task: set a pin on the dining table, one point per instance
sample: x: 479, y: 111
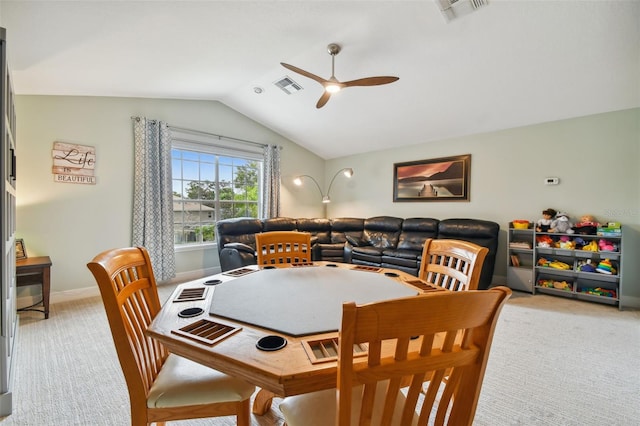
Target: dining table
x: 275, y: 326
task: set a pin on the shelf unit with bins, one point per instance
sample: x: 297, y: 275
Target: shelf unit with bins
x: 574, y: 281
x: 520, y: 259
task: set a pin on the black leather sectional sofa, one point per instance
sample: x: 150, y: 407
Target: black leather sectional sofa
x: 382, y: 241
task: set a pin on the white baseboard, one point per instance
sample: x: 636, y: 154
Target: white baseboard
x: 499, y: 280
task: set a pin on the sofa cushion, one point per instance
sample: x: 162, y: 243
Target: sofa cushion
x: 367, y: 253
x: 402, y: 254
x: 415, y: 231
x: 355, y: 241
x: 318, y: 228
x: 279, y: 224
x: 332, y: 251
x: 397, y: 257
x: 239, y: 230
x: 341, y: 227
x: 382, y: 231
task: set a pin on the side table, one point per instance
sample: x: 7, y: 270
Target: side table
x: 33, y: 271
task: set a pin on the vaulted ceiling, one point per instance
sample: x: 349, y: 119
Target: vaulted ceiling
x: 507, y: 64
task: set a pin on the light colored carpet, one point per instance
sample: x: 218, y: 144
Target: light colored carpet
x: 554, y: 362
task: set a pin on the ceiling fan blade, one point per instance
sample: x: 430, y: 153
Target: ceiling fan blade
x: 370, y: 81
x: 323, y: 99
x: 304, y: 73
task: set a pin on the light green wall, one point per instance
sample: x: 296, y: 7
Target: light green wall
x: 595, y: 158
x: 72, y: 223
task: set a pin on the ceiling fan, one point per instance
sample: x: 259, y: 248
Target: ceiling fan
x: 332, y: 85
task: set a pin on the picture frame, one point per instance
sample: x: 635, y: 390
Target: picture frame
x: 436, y: 179
x: 21, y: 249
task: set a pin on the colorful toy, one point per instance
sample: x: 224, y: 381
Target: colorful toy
x: 551, y: 263
x: 564, y: 242
x: 559, y: 285
x: 588, y: 225
x: 520, y: 224
x: 562, y: 224
x: 543, y: 225
x: 544, y: 241
x: 606, y: 245
x: 605, y: 267
x: 592, y: 246
x: 585, y: 266
x: 562, y: 285
x: 598, y: 291
x: 545, y: 283
x: 579, y: 243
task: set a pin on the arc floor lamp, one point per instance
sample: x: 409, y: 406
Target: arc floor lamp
x: 347, y: 171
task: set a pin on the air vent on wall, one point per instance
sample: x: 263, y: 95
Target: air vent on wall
x: 452, y: 9
x: 287, y: 85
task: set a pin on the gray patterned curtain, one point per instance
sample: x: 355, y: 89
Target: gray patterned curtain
x: 152, y: 195
x: 271, y: 179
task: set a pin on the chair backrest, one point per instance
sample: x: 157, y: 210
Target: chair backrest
x: 454, y: 338
x: 283, y: 247
x: 453, y: 264
x: 130, y: 296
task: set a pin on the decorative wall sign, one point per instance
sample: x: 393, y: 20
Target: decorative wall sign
x: 438, y: 179
x: 73, y: 163
x: 21, y: 250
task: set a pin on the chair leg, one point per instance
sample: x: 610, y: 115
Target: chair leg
x: 243, y: 418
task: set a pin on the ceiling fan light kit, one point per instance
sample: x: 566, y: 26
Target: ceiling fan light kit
x: 332, y: 84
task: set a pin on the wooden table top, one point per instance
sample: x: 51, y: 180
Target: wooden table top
x: 284, y: 372
x: 38, y: 262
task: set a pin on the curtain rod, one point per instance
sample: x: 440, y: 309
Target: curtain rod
x: 200, y: 132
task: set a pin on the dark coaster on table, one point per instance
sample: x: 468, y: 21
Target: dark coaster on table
x: 391, y: 274
x: 268, y: 267
x: 271, y: 343
x: 213, y: 282
x: 190, y: 312
x: 331, y: 265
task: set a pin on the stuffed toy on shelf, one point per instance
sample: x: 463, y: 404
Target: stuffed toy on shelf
x: 606, y: 245
x: 561, y: 224
x: 543, y: 225
x: 588, y: 225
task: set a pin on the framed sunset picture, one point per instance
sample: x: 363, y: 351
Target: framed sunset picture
x: 437, y: 179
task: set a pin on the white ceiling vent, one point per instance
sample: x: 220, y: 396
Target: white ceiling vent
x: 452, y: 9
x: 288, y: 86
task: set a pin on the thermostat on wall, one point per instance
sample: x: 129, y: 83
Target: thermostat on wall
x: 551, y: 181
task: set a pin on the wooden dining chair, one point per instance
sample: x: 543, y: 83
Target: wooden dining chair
x: 162, y: 386
x: 405, y: 347
x: 453, y: 264
x: 277, y: 247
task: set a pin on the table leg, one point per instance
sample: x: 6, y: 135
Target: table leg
x: 46, y: 290
x: 262, y: 402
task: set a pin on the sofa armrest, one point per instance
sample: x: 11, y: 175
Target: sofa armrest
x: 240, y: 247
x: 355, y: 241
x: 236, y: 255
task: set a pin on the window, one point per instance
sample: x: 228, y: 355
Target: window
x: 211, y: 181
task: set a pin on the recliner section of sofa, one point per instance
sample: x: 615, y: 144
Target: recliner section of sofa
x: 382, y: 241
x: 407, y: 254
x: 337, y: 249
x: 481, y: 232
x: 236, y: 240
x: 379, y: 233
